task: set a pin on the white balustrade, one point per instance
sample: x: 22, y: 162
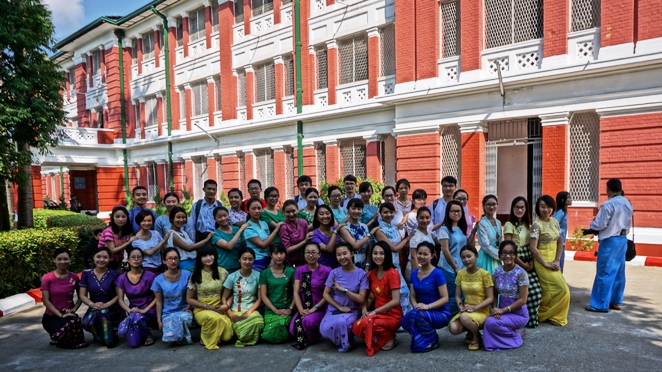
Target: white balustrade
x: 289, y: 108
x: 80, y: 136
x: 584, y: 45
x: 197, y: 48
x: 449, y: 69
x: 286, y: 15
x: 149, y: 65
x: 179, y: 54
x: 152, y: 132
x: 238, y: 31
x: 321, y: 98
x: 199, y: 122
x: 262, y: 24
x: 264, y: 110
x: 386, y: 85
x: 241, y: 113
x: 352, y: 94
x: 514, y: 57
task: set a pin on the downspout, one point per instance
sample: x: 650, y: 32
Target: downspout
x: 167, y: 88
x: 297, y: 55
x: 120, y: 36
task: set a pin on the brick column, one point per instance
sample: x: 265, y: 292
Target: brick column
x: 37, y: 191
x: 249, y: 166
x: 332, y: 161
x: 157, y: 46
x: 187, y: 182
x: 208, y: 26
x: 405, y: 42
x: 427, y: 43
x: 648, y: 20
x: 172, y: 56
x: 178, y: 175
x: 161, y: 177
x: 279, y: 75
x: 139, y: 46
x: 474, y: 136
x: 230, y: 172
x: 617, y: 22
x: 211, y: 169
x: 555, y: 22
x: 373, y: 158
x: 277, y: 5
x: 142, y: 117
x: 110, y: 187
x: 211, y: 102
x: 250, y: 91
x: 185, y: 33
x: 279, y: 171
x: 418, y: 161
x: 307, y: 61
x: 228, y: 80
x: 555, y: 153
x: 80, y: 72
x: 159, y: 113
x: 332, y: 70
x: 373, y: 61
x: 131, y: 128
x: 189, y: 105
x: 330, y: 2
x: 102, y: 63
x: 67, y: 86
x: 471, y: 38
x: 247, y: 17
x: 310, y: 162
x: 90, y: 76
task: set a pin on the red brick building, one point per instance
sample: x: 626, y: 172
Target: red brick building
x: 514, y: 97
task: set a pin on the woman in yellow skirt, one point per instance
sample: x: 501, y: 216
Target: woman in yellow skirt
x: 204, y: 293
x: 478, y: 288
x: 545, y: 245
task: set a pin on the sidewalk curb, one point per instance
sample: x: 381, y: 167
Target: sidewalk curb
x: 14, y: 304
x: 637, y: 261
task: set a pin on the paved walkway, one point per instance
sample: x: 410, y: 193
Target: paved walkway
x: 630, y: 339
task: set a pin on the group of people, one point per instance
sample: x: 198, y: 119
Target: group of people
x: 303, y: 270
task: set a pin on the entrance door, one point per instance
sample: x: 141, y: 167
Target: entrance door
x: 84, y: 186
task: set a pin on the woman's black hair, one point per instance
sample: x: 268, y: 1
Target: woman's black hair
x: 469, y: 248
x: 174, y: 212
x: 250, y: 202
x: 462, y: 223
x: 488, y: 197
x: 355, y: 203
x: 387, y: 205
x: 314, y: 244
x: 205, y: 250
x: 277, y: 248
x: 103, y: 249
x: 132, y: 248
x: 402, y: 181
x: 419, y: 194
x: 427, y: 245
x: 389, y: 188
x: 421, y: 210
x: 459, y: 191
x: 526, y: 218
x: 549, y: 202
x: 169, y: 195
x: 290, y: 202
x: 171, y: 249
x: 241, y: 195
x: 388, y: 256
x: 309, y: 191
x: 343, y: 245
x: 269, y: 190
x: 216, y: 210
x: 316, y: 221
x: 140, y: 217
x: 506, y: 243
x: 59, y: 251
x: 364, y: 186
x: 561, y: 199
x: 333, y: 188
x: 245, y: 250
x: 125, y: 230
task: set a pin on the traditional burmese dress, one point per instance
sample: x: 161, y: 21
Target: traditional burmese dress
x: 473, y: 287
x: 279, y: 292
x: 67, y: 332
x: 136, y: 327
x: 187, y: 259
x: 368, y: 213
x: 415, y: 240
x: 339, y: 214
x: 269, y: 217
x: 377, y: 330
x: 150, y: 262
x: 393, y: 235
x: 521, y: 239
x: 215, y: 327
x: 555, y: 301
x: 175, y: 319
x: 293, y: 234
x: 422, y: 325
x: 326, y: 258
x: 305, y: 215
x: 245, y: 294
x: 358, y: 232
x: 100, y: 322
x: 261, y: 231
x: 236, y: 216
x: 336, y: 325
x: 489, y: 238
x: 311, y: 292
x: 456, y: 240
x: 107, y: 235
x: 562, y: 217
x: 500, y: 334
x: 229, y: 260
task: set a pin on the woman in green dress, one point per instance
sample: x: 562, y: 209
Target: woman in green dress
x: 272, y: 214
x: 276, y: 283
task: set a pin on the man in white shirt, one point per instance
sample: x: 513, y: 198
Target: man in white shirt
x: 349, y: 182
x: 202, y: 222
x: 438, y: 207
x: 304, y: 183
x: 611, y: 225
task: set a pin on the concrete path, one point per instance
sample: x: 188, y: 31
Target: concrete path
x: 627, y: 340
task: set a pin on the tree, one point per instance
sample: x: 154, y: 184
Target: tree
x: 30, y: 100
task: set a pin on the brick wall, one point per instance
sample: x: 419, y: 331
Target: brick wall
x: 110, y: 188
x: 471, y: 37
x: 279, y: 172
x: 417, y: 160
x: 554, y: 159
x: 473, y: 169
x: 332, y: 163
x: 373, y: 65
x: 617, y: 22
x: 649, y: 14
x: 405, y: 42
x: 80, y: 73
x: 555, y: 22
x: 188, y: 184
x: 230, y: 169
x: 427, y: 40
x: 373, y: 160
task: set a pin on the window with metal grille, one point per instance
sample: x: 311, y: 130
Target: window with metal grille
x: 286, y: 2
x: 239, y: 11
x: 72, y: 80
x: 320, y: 152
x: 199, y: 95
x: 585, y: 14
x: 152, y: 181
x: 322, y: 69
x: 182, y: 104
x: 100, y: 118
x: 450, y: 29
x: 217, y: 83
x: 179, y: 32
x: 136, y: 110
x: 96, y: 62
x: 289, y: 172
x: 148, y: 45
x: 265, y: 87
x: 151, y: 115
x: 584, y: 156
x: 214, y: 15
x: 352, y: 152
x: 387, y: 46
x: 196, y: 24
x: 262, y: 6
x: 199, y: 175
x: 450, y: 151
x: 264, y: 165
x: 289, y: 76
x: 353, y: 59
x: 242, y: 174
x: 241, y: 88
x: 134, y: 51
x: 512, y: 21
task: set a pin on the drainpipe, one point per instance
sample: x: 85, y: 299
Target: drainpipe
x: 297, y: 55
x: 167, y: 79
x: 120, y: 37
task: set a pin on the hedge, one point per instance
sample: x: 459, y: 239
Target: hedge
x: 26, y: 255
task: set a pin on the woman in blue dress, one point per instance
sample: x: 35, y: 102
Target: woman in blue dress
x: 452, y: 236
x: 489, y: 235
x: 563, y: 201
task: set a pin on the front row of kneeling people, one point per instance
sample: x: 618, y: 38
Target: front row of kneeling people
x: 280, y: 302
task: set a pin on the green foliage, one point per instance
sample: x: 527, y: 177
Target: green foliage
x: 26, y: 255
x: 580, y: 242
x: 375, y: 199
x: 223, y: 197
x: 159, y: 208
x: 187, y: 203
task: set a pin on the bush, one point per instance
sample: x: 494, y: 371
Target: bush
x: 377, y: 188
x: 26, y: 255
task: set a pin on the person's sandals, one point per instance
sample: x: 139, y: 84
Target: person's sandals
x: 149, y: 341
x: 614, y: 306
x: 473, y: 346
x: 594, y: 310
x: 468, y: 338
x: 393, y: 345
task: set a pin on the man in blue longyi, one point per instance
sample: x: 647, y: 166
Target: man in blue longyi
x: 611, y: 225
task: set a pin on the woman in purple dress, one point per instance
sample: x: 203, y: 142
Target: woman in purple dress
x: 136, y: 285
x: 309, y: 287
x: 324, y: 234
x: 346, y: 289
x: 500, y: 331
x: 97, y: 291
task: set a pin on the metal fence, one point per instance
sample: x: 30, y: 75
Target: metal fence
x: 387, y: 44
x: 584, y: 156
x: 512, y: 21
x: 242, y: 173
x: 152, y: 181
x: 450, y: 29
x: 451, y: 151
x: 289, y: 172
x: 353, y: 59
x: 352, y: 153
x: 585, y: 14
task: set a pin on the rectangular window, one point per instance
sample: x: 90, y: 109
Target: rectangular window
x: 217, y: 83
x: 584, y: 156
x: 214, y: 15
x: 136, y: 109
x: 96, y: 62
x: 196, y: 24
x: 353, y: 59
x: 262, y: 6
x: 450, y: 29
x: 151, y: 115
x: 182, y: 104
x: 352, y: 153
x: 585, y: 15
x: 451, y: 151
x: 286, y: 2
x: 199, y: 95
x: 72, y: 80
x: 264, y: 164
x: 512, y: 21
x: 241, y: 88
x: 152, y: 181
x: 100, y: 119
x: 322, y: 69
x: 289, y: 76
x: 134, y: 51
x: 265, y: 87
x: 387, y: 46
x: 320, y: 151
x: 180, y: 32
x: 148, y: 45
x: 199, y: 175
x: 239, y: 11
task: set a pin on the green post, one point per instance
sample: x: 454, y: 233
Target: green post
x: 297, y: 55
x: 120, y: 36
